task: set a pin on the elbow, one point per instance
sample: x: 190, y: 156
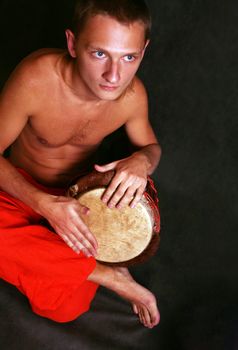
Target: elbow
x: 158, y: 151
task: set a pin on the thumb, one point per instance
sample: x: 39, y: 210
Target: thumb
x: 84, y: 210
x: 106, y: 167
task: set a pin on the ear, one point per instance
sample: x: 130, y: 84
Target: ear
x: 146, y: 44
x: 70, y: 37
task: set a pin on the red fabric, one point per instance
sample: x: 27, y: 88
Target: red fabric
x: 39, y: 263
x: 151, y: 195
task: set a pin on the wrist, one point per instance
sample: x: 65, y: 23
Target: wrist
x: 40, y: 202
x: 143, y: 159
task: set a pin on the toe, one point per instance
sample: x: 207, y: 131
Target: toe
x: 142, y: 318
x: 135, y: 308
x: 148, y: 318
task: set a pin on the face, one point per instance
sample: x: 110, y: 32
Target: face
x: 107, y: 55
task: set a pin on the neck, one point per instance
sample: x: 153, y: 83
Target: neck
x: 71, y: 77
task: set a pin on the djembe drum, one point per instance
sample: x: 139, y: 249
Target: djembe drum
x: 125, y: 236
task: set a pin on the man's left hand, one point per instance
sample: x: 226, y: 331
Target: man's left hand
x: 128, y: 183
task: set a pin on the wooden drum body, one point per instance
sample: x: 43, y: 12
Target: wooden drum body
x: 125, y: 236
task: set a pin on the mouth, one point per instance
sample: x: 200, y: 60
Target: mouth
x: 108, y: 88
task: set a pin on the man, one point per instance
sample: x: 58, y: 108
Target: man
x: 55, y: 110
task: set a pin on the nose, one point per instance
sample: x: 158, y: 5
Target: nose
x: 112, y: 72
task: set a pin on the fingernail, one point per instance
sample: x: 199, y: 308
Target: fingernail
x: 85, y: 211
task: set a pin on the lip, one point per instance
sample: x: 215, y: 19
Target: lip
x: 108, y: 88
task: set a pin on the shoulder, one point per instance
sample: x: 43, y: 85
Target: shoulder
x: 39, y: 66
x: 34, y: 76
x: 136, y: 90
x: 136, y: 94
x: 134, y: 101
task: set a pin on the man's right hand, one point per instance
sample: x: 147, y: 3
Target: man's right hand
x: 63, y: 214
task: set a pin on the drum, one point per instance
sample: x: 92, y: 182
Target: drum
x: 125, y: 236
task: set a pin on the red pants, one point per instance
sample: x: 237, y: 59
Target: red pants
x: 39, y: 263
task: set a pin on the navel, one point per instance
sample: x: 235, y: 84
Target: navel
x: 42, y: 141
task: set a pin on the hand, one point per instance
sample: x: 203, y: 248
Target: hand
x: 63, y: 214
x: 128, y: 183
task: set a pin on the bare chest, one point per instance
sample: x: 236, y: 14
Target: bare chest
x: 59, y: 127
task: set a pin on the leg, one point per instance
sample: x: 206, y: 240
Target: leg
x: 78, y: 303
x: 41, y: 265
x: 120, y: 281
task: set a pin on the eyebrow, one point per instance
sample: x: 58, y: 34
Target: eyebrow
x: 96, y: 48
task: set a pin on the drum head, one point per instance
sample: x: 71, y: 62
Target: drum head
x: 122, y: 234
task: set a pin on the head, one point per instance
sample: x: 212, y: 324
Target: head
x: 124, y: 11
x: 107, y: 41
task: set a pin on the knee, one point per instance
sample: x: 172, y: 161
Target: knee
x: 59, y: 315
x: 73, y: 307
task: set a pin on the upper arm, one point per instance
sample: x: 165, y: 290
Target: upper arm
x: 138, y: 127
x: 15, y: 106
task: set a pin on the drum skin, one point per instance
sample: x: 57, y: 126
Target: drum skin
x: 126, y: 236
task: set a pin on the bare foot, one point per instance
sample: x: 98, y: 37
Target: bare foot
x: 120, y: 281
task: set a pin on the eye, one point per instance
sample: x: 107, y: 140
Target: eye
x: 129, y: 58
x: 99, y: 54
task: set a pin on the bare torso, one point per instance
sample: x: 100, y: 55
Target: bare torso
x: 63, y: 132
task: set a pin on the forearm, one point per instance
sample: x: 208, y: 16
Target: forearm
x: 62, y: 213
x: 12, y: 182
x: 151, y: 155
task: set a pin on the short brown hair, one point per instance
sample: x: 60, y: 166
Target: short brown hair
x: 125, y: 11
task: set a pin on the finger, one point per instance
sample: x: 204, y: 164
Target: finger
x: 79, y: 229
x: 77, y: 211
x: 80, y: 245
x: 111, y: 189
x: 127, y: 198
x: 70, y: 244
x: 137, y: 197
x: 67, y: 241
x: 115, y: 192
x: 74, y: 236
x: 82, y: 233
x: 83, y: 209
x: 122, y: 196
x: 106, y: 167
x: 117, y: 197
x: 76, y: 249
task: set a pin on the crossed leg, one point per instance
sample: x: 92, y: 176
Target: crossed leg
x: 120, y: 281
x: 32, y: 258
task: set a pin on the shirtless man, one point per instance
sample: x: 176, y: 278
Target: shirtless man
x: 56, y: 109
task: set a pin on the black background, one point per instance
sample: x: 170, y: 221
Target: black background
x: 190, y: 72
